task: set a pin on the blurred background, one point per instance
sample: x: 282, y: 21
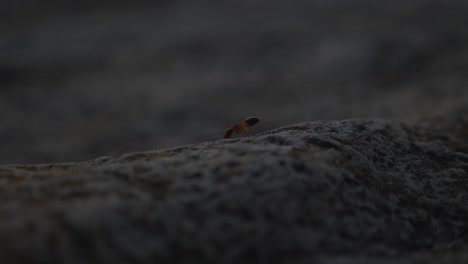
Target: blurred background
x: 83, y: 79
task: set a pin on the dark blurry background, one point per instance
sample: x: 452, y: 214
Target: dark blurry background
x: 83, y: 79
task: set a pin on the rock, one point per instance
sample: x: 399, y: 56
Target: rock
x: 352, y: 191
x: 163, y: 73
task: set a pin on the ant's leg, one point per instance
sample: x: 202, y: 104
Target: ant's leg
x: 246, y: 131
x: 251, y: 131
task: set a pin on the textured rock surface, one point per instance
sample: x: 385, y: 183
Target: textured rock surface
x: 353, y: 191
x: 81, y: 79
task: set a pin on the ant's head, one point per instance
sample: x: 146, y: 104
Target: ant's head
x: 251, y: 120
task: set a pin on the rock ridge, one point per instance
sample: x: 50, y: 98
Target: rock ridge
x: 351, y: 191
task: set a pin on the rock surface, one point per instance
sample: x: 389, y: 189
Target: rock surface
x: 82, y: 79
x: 352, y: 191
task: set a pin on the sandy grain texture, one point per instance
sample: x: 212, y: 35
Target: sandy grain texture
x: 351, y: 191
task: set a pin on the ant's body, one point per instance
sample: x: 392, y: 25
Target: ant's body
x: 244, y: 125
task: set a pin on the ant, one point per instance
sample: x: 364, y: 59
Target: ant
x: 244, y: 125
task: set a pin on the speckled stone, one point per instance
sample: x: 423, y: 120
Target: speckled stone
x: 352, y: 191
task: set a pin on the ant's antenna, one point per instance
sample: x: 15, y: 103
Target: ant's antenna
x: 268, y: 122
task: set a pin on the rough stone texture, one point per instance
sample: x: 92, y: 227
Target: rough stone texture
x: 352, y: 191
x: 81, y: 79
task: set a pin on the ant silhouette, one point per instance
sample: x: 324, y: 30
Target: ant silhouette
x: 245, y: 125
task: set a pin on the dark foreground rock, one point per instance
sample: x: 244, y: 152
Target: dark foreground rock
x: 353, y: 191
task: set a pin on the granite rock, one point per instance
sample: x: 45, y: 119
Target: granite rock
x: 82, y: 79
x: 351, y: 191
